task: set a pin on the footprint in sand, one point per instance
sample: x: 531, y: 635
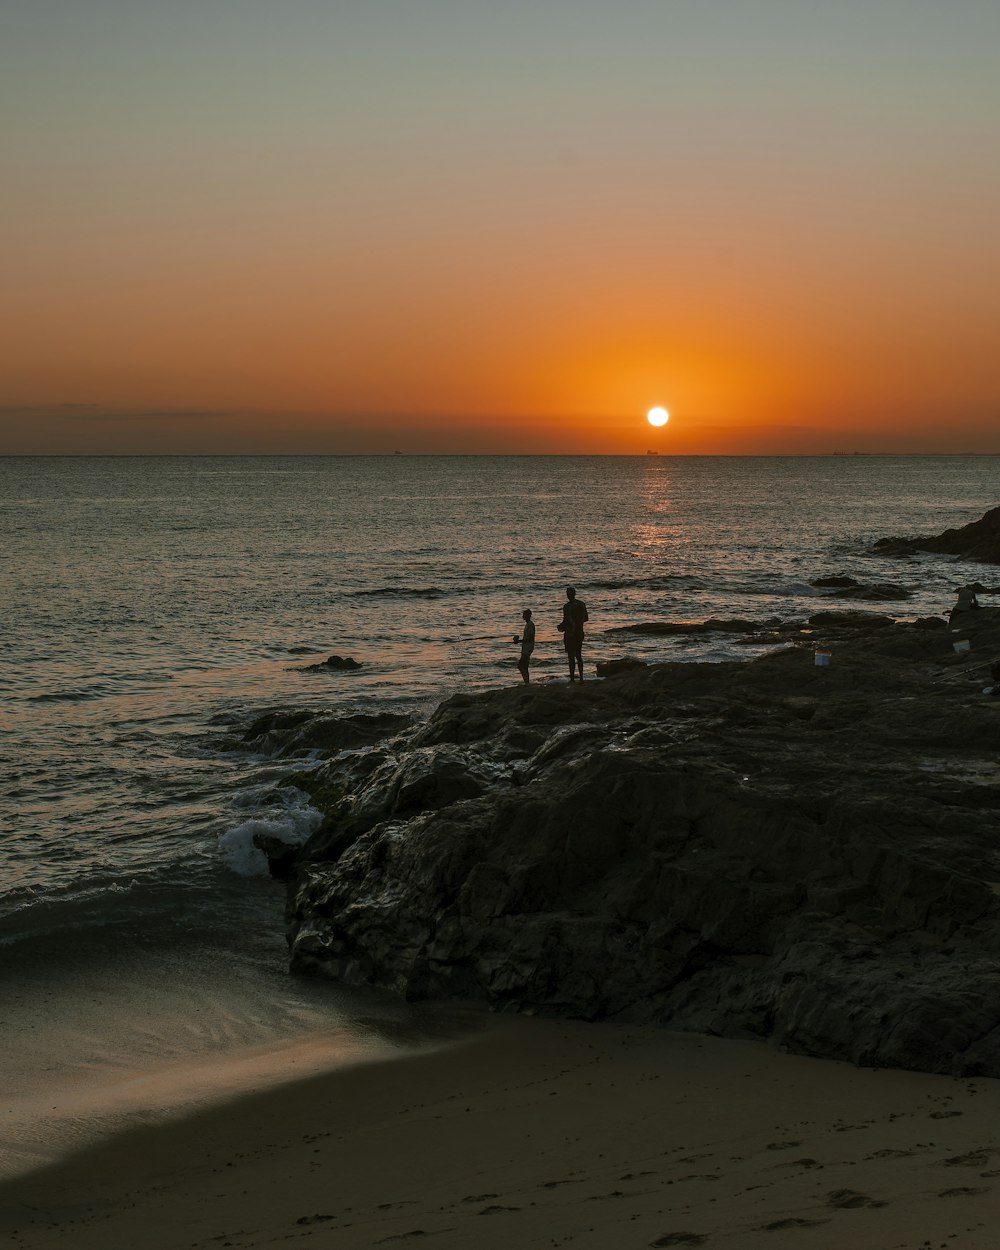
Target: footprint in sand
x: 850, y: 1200
x: 679, y: 1239
x: 974, y: 1159
x: 964, y: 1191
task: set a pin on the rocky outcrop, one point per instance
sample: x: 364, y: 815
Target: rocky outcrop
x: 612, y: 668
x: 282, y: 732
x: 843, y: 587
x: 774, y: 629
x: 713, y: 625
x: 333, y: 664
x: 770, y: 850
x: 853, y: 621
x: 980, y: 540
x: 885, y: 592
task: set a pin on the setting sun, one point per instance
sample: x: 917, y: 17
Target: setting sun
x: 657, y: 416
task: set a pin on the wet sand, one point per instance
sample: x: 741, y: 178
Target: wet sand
x: 540, y: 1134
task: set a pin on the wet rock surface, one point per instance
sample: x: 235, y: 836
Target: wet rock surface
x: 980, y: 540
x: 626, y: 664
x: 885, y: 591
x: 772, y: 849
x: 734, y: 625
x: 333, y: 664
x: 284, y: 732
x: 842, y: 587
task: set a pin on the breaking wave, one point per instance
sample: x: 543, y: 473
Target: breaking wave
x: 291, y: 824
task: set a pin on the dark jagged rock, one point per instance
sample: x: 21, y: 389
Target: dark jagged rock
x: 281, y: 856
x: 280, y: 732
x: 979, y: 540
x: 886, y: 592
x: 334, y: 664
x: 767, y: 850
x: 856, y: 621
x: 712, y: 625
x: 613, y: 668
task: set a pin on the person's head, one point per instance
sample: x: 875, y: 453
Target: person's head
x: 526, y: 614
x: 570, y: 592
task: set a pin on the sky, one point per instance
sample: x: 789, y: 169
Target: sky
x: 314, y: 226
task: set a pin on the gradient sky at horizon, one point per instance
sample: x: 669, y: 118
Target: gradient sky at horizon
x: 453, y: 225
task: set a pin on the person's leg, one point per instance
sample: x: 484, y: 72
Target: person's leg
x: 579, y: 659
x: 522, y: 667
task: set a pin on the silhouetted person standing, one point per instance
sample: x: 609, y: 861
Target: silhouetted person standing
x: 571, y: 626
x: 527, y: 641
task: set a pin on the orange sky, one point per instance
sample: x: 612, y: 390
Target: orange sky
x: 466, y: 230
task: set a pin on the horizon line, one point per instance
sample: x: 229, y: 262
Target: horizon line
x: 497, y: 455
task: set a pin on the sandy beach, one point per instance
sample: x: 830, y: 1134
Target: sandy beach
x: 543, y: 1134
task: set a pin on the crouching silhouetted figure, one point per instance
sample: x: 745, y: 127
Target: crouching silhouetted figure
x: 967, y: 602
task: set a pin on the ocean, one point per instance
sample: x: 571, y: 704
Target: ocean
x: 150, y: 608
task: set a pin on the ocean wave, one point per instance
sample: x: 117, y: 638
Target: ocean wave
x: 64, y: 696
x: 664, y: 581
x: 393, y: 592
x: 98, y: 905
x: 782, y: 590
x: 292, y: 824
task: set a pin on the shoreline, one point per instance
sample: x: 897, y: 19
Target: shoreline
x: 541, y: 1133
x: 46, y: 1128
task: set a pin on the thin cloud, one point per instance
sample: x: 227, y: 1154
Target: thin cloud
x: 89, y: 413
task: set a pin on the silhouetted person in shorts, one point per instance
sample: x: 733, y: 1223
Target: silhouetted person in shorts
x: 527, y: 641
x: 571, y: 627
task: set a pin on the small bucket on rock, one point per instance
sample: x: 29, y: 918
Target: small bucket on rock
x: 962, y: 647
x: 821, y: 659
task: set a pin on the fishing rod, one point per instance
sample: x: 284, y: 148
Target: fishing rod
x: 965, y: 671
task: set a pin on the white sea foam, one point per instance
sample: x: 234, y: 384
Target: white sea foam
x: 783, y: 590
x: 291, y: 824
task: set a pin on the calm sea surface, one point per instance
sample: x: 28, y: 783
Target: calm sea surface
x: 147, y: 605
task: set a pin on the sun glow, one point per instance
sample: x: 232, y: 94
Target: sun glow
x: 657, y: 416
